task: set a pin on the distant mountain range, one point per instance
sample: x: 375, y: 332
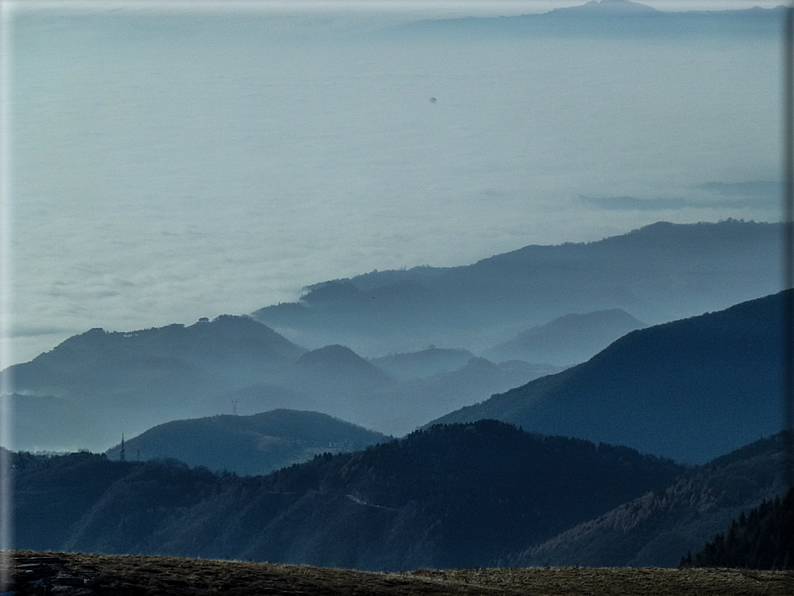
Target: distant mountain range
x: 613, y: 18
x: 96, y: 386
x: 689, y: 389
x: 606, y: 7
x: 249, y: 445
x: 658, y: 273
x: 468, y: 495
x: 424, y: 363
x: 652, y: 390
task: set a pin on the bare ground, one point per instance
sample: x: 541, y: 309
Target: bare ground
x: 77, y: 574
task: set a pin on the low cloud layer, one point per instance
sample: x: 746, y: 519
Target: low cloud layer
x: 205, y: 166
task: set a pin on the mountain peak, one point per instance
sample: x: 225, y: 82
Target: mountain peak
x: 334, y: 354
x: 340, y: 362
x: 607, y: 7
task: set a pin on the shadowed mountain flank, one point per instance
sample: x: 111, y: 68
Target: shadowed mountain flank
x: 660, y: 527
x: 452, y: 496
x: 690, y: 389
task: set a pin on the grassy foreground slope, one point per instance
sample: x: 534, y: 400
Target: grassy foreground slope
x: 86, y: 574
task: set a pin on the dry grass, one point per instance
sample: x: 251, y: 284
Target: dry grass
x: 87, y: 574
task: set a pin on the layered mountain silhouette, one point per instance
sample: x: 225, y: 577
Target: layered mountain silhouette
x: 657, y: 274
x: 431, y: 397
x: 424, y: 363
x: 652, y: 391
x: 249, y: 445
x: 450, y: 496
x: 690, y: 389
x: 567, y: 340
x: 96, y: 386
x: 475, y: 494
x: 111, y: 383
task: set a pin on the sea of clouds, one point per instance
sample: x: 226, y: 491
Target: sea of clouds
x: 180, y: 164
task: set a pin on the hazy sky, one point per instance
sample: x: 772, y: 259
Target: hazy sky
x: 173, y: 164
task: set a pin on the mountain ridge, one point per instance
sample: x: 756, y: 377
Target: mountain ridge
x: 99, y: 385
x: 658, y: 273
x: 251, y: 445
x: 450, y: 496
x: 613, y: 19
x: 567, y: 340
x: 689, y: 389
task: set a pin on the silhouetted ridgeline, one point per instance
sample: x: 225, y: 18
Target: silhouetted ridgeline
x: 691, y: 389
x: 657, y: 273
x: 251, y: 445
x: 97, y: 385
x: 460, y: 495
x: 567, y: 340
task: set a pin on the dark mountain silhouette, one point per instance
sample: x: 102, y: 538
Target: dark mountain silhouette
x: 567, y: 340
x: 252, y: 445
x: 451, y: 496
x: 238, y: 341
x: 658, y: 273
x: 763, y: 538
x: 690, y: 389
x: 655, y: 529
x: 236, y: 347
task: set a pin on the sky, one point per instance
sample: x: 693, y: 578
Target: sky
x: 188, y: 160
